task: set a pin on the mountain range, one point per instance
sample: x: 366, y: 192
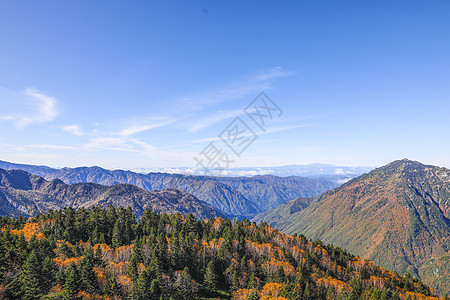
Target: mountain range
x: 310, y: 170
x: 236, y: 196
x: 396, y: 215
x: 25, y: 194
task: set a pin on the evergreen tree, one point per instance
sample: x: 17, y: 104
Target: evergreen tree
x: 155, y: 290
x: 132, y: 269
x: 253, y: 295
x: 185, y: 286
x: 353, y: 295
x: 31, y: 278
x: 88, y: 277
x: 307, y: 293
x: 72, y: 284
x: 280, y: 277
x: 60, y: 277
x: 210, y: 278
x: 116, y: 235
x: 252, y: 282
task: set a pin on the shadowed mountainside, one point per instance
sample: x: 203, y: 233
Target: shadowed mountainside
x: 25, y: 194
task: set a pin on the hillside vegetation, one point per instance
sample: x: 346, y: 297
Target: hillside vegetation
x: 396, y: 215
x: 100, y: 253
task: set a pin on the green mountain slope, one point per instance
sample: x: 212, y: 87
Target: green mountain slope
x: 396, y: 215
x: 25, y: 194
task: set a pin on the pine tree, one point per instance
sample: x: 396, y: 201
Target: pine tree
x: 48, y: 271
x: 185, y: 286
x: 132, y: 269
x: 280, y: 277
x: 72, y: 284
x: 234, y: 282
x: 88, y: 277
x: 395, y: 296
x: 210, y: 278
x: 60, y: 277
x: 155, y: 290
x: 252, y: 282
x: 154, y: 266
x: 307, y: 293
x: 31, y: 278
x: 353, y: 296
x: 116, y: 235
x: 254, y: 295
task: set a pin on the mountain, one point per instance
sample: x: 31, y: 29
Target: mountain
x: 25, y: 194
x: 236, y: 196
x: 397, y: 216
x: 310, y: 170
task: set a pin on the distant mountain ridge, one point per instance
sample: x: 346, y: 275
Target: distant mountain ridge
x: 397, y: 216
x: 309, y: 170
x: 236, y: 196
x: 22, y: 193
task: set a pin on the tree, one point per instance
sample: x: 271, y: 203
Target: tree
x: 87, y: 275
x: 280, y: 276
x: 185, y: 286
x: 72, y: 284
x: 210, y: 278
x: 31, y: 278
x: 307, y: 294
x: 116, y: 235
x: 132, y: 269
x: 60, y: 277
x: 252, y: 282
x: 253, y: 295
x: 353, y: 295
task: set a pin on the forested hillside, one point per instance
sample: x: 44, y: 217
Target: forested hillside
x: 397, y: 215
x: 104, y: 253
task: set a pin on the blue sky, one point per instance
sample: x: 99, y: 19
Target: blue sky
x: 142, y: 84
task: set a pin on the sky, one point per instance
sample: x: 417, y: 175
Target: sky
x: 154, y: 84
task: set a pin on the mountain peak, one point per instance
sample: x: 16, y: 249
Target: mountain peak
x: 396, y: 215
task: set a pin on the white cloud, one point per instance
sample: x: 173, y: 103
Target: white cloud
x: 144, y: 126
x: 211, y: 120
x: 272, y: 74
x: 54, y: 147
x: 256, y: 83
x: 74, y: 129
x: 27, y: 107
x: 109, y: 143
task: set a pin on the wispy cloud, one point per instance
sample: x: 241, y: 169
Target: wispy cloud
x: 257, y: 82
x: 74, y: 129
x: 27, y: 107
x: 109, y: 143
x: 272, y: 73
x: 213, y: 119
x: 54, y: 147
x: 145, y: 125
x: 258, y: 133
